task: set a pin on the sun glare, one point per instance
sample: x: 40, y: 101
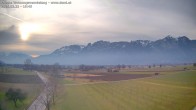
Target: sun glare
x: 34, y: 56
x: 26, y: 29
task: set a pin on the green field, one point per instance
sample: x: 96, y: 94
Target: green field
x: 17, y: 71
x: 172, y: 91
x: 32, y: 90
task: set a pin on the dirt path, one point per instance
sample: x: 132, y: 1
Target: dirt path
x: 38, y: 103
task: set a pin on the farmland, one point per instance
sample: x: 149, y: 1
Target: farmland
x: 173, y: 89
x: 15, y: 78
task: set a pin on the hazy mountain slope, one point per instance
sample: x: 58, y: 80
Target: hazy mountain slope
x: 166, y: 50
x: 13, y: 57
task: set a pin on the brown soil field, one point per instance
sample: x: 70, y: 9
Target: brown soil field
x: 109, y: 76
x: 12, y: 78
x: 79, y: 75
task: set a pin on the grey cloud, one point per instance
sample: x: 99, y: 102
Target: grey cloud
x: 193, y: 8
x: 182, y: 7
x: 9, y: 36
x: 111, y: 20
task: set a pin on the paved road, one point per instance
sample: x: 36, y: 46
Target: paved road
x: 38, y: 104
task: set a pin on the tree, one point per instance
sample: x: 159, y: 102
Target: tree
x: 0, y: 106
x: 53, y: 80
x: 15, y: 95
x: 194, y: 64
x: 3, y: 68
x: 28, y: 64
x: 52, y: 87
x: 55, y: 70
x: 46, y: 99
x: 53, y: 91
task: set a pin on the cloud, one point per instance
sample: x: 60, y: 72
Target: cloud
x: 113, y: 20
x: 22, y: 48
x: 10, y: 41
x: 9, y: 35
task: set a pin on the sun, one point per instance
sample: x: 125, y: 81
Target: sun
x: 26, y: 29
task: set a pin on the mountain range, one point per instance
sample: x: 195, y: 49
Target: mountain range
x: 168, y: 50
x: 13, y: 57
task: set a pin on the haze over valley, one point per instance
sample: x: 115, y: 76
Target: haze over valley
x: 168, y: 50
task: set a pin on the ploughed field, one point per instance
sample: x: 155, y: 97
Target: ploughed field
x: 109, y: 76
x: 13, y: 78
x: 171, y: 90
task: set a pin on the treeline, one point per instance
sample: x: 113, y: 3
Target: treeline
x: 28, y: 65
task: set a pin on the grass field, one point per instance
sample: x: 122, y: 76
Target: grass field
x: 171, y: 91
x: 16, y: 71
x: 32, y: 89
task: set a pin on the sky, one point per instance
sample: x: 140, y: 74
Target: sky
x: 44, y: 28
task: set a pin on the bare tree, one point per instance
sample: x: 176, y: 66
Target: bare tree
x: 1, y: 107
x: 53, y: 88
x: 55, y: 70
x: 45, y: 99
x: 54, y: 80
x: 194, y: 64
x: 28, y: 64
